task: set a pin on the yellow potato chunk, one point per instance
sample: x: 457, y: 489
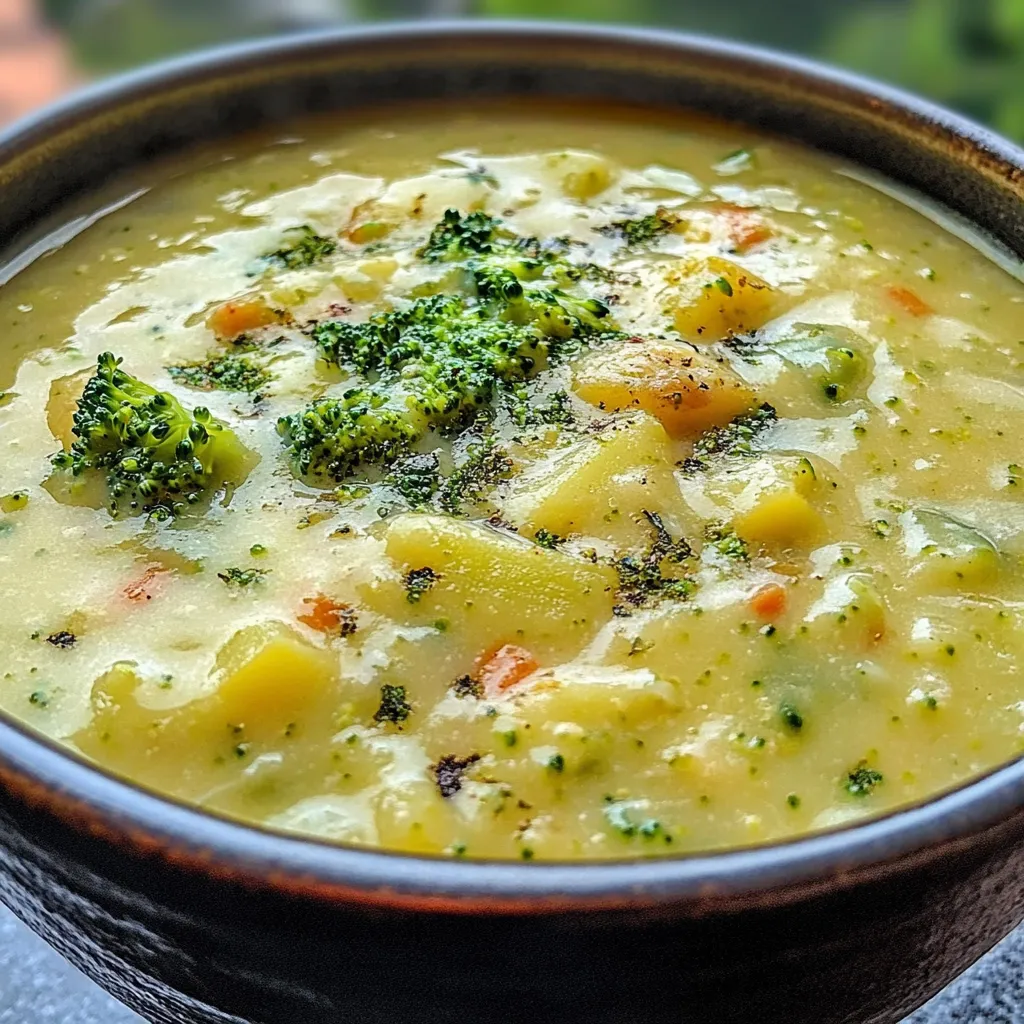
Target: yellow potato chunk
x: 583, y: 175
x: 498, y: 588
x: 594, y: 697
x: 268, y: 674
x: 598, y: 486
x: 717, y: 298
x: 781, y: 520
x: 770, y: 501
x: 686, y: 391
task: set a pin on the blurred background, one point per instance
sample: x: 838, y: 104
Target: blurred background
x: 968, y: 54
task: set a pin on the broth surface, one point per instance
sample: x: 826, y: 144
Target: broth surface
x: 723, y: 546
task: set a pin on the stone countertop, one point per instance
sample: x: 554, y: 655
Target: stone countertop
x: 38, y: 986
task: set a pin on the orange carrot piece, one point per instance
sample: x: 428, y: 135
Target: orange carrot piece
x: 909, y: 301
x: 744, y: 227
x: 504, y: 667
x: 769, y: 602
x: 327, y: 616
x: 233, y: 318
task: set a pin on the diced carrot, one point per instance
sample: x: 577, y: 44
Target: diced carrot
x: 147, y: 585
x: 769, y: 602
x: 909, y: 301
x: 745, y: 228
x: 235, y: 317
x: 327, y: 616
x: 504, y: 667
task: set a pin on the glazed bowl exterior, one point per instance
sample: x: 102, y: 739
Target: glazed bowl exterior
x: 192, y: 919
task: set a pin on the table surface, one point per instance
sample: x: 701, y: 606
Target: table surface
x: 37, y: 986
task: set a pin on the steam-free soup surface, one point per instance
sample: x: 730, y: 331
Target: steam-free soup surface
x: 520, y: 483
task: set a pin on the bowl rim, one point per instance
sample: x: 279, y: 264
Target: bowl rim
x: 64, y: 785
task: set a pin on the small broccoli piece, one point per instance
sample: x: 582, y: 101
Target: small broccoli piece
x: 449, y: 770
x: 394, y: 707
x: 863, y: 780
x: 333, y: 436
x: 302, y: 247
x: 735, y: 438
x: 456, y: 237
x: 235, y: 577
x: 725, y: 540
x: 642, y: 581
x: 417, y: 582
x: 229, y: 372
x: 155, y: 453
x: 416, y: 479
x: 641, y: 230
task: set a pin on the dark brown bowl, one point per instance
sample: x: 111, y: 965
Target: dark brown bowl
x: 191, y: 918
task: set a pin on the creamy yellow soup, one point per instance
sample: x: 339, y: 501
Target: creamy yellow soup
x: 523, y: 483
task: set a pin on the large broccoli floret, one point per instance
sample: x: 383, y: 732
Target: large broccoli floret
x: 445, y: 359
x: 154, y: 452
x: 457, y: 237
x: 514, y: 278
x: 333, y: 436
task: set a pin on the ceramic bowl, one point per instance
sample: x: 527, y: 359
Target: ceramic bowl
x: 190, y: 918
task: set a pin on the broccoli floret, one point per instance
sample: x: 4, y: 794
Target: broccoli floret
x: 445, y: 360
x: 735, y: 438
x: 333, y: 436
x: 457, y: 237
x: 302, y: 247
x: 155, y: 454
x: 229, y: 372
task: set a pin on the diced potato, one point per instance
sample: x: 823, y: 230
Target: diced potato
x: 947, y: 552
x: 686, y: 391
x: 594, y: 696
x: 62, y: 404
x: 769, y: 501
x: 235, y: 317
x: 583, y: 175
x: 500, y: 589
x: 366, y: 280
x: 851, y: 610
x: 268, y: 675
x: 598, y: 485
x: 780, y: 521
x: 717, y: 298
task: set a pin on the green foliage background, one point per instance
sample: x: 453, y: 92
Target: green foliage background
x: 968, y: 54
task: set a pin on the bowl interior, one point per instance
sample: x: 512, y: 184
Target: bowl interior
x: 68, y: 149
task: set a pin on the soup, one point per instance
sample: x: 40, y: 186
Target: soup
x: 523, y: 484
